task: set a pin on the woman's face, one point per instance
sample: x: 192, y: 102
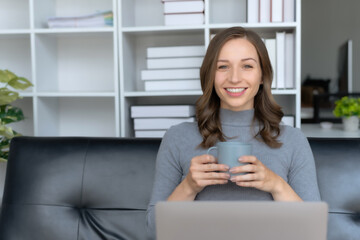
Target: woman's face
x: 238, y: 75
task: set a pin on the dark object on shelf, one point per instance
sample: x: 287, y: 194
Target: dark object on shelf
x: 310, y: 87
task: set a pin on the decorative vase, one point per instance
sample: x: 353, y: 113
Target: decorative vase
x: 351, y: 123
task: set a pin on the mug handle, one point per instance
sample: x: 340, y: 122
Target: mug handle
x: 210, y: 149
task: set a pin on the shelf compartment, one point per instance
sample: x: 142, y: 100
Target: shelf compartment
x: 75, y: 62
x: 135, y: 13
x: 134, y: 51
x: 15, y: 52
x: 43, y: 9
x: 26, y: 126
x: 287, y: 103
x: 76, y: 116
x: 14, y: 14
x: 227, y: 11
x: 151, y: 100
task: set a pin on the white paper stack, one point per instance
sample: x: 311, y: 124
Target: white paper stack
x: 100, y: 19
x: 175, y: 68
x: 154, y: 120
x: 281, y: 52
x: 183, y: 12
x: 266, y: 11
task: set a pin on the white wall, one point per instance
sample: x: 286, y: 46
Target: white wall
x: 326, y: 24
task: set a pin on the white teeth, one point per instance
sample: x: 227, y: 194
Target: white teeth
x: 235, y: 90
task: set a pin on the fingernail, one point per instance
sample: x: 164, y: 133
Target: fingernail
x: 227, y: 168
x: 233, y: 179
x: 240, y: 159
x: 232, y: 170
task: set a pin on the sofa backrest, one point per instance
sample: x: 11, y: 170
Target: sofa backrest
x: 77, y: 188
x: 83, y: 188
x: 338, y: 171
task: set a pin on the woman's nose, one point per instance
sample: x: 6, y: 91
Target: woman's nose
x: 235, y: 76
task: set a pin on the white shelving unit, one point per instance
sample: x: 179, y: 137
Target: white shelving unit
x: 141, y: 25
x: 74, y: 70
x: 86, y: 79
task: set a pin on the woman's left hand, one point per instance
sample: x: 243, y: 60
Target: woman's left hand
x: 257, y: 175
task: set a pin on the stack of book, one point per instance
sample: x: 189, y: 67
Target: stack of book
x: 281, y: 52
x: 152, y: 121
x: 185, y: 12
x: 265, y: 11
x: 173, y: 68
x: 100, y: 19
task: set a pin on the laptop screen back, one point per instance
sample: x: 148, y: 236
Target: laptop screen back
x: 241, y: 220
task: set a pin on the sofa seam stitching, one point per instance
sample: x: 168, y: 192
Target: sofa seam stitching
x: 82, y: 183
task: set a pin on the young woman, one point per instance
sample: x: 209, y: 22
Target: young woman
x: 236, y: 105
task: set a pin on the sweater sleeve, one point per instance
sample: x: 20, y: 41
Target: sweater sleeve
x: 302, y: 173
x: 168, y: 174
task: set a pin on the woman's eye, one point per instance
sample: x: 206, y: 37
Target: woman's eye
x: 248, y: 66
x: 222, y: 67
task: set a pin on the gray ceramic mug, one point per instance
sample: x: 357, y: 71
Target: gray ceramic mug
x: 228, y: 153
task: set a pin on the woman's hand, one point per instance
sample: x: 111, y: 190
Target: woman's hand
x: 203, y: 172
x: 260, y: 177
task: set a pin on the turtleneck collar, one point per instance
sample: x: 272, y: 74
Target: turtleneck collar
x: 240, y: 118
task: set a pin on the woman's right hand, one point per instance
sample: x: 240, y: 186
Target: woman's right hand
x: 204, y: 171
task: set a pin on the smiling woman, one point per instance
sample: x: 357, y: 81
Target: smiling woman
x: 236, y: 106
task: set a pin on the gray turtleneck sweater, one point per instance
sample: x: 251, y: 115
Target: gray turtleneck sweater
x: 293, y: 161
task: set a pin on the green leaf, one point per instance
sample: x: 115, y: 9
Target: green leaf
x: 9, y: 114
x: 6, y: 76
x: 7, y: 96
x: 20, y: 83
x: 7, y: 132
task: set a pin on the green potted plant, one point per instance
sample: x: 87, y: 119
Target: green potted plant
x: 349, y: 110
x: 8, y: 114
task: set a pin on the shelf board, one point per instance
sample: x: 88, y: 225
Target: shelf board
x: 14, y: 31
x: 163, y: 93
x: 152, y: 29
x: 272, y: 26
x: 76, y: 94
x: 26, y: 94
x: 284, y: 91
x: 73, y: 30
x: 194, y: 93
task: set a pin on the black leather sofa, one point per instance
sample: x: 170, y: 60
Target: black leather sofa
x: 99, y: 188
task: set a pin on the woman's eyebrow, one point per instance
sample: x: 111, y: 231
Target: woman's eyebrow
x: 246, y: 59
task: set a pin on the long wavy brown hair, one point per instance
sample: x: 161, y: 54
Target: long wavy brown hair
x: 266, y: 110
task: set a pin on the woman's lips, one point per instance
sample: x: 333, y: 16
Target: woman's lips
x: 235, y: 92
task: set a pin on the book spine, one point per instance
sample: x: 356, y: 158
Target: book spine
x: 253, y: 11
x: 167, y: 74
x: 289, y: 60
x: 162, y: 111
x: 158, y: 123
x: 184, y: 19
x: 173, y: 85
x: 184, y: 7
x: 276, y: 10
x: 289, y: 10
x: 265, y: 10
x: 280, y: 59
x: 271, y: 48
x: 161, y: 63
x: 150, y: 134
x: 176, y: 51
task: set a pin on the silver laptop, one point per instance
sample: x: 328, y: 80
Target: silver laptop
x: 212, y: 220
